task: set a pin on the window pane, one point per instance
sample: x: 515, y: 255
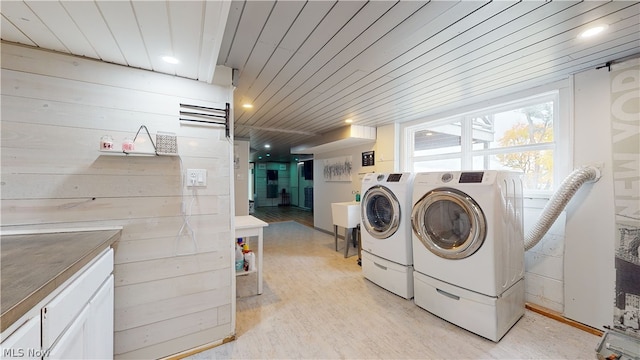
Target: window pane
x: 524, y: 126
x: 434, y: 140
x: 536, y: 166
x: 437, y: 165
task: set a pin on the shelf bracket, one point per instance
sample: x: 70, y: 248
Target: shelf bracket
x: 155, y: 150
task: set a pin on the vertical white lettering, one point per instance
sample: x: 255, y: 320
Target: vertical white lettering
x: 622, y: 107
x: 625, y: 131
x: 626, y: 80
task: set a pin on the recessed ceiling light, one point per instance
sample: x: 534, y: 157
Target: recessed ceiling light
x: 247, y: 106
x: 349, y: 121
x: 170, y: 59
x: 268, y: 154
x: 592, y: 31
x: 267, y: 146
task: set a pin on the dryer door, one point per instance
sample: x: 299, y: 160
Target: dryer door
x: 380, y: 212
x: 449, y: 223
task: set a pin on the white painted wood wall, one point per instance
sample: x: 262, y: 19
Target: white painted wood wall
x: 55, y: 108
x: 241, y: 175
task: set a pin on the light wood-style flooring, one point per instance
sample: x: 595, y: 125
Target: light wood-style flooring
x: 272, y: 214
x: 317, y: 305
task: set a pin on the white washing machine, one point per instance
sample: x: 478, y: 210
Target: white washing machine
x: 468, y: 248
x: 386, y: 231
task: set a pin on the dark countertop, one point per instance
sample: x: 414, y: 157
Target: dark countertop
x: 34, y: 265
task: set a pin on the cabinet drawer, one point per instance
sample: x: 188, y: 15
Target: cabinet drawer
x: 58, y: 314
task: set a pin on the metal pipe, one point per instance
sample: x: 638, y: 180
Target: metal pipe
x: 559, y: 201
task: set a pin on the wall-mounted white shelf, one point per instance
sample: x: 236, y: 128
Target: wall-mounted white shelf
x: 243, y: 272
x: 155, y: 152
x: 134, y: 153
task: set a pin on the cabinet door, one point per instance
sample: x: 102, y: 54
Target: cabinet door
x: 100, y: 323
x: 24, y: 343
x: 61, y: 311
x: 72, y: 344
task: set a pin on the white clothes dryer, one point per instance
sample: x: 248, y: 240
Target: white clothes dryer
x: 468, y: 248
x: 386, y: 231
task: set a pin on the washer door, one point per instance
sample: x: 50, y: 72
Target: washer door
x: 380, y: 212
x: 449, y: 223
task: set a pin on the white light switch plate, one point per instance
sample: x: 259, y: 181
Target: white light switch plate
x: 196, y: 177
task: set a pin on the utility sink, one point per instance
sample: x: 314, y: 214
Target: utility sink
x: 346, y: 214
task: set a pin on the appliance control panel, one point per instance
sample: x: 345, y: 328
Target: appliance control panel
x: 471, y: 177
x: 394, y: 177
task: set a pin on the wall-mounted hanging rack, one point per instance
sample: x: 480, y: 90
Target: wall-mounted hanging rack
x: 206, y: 115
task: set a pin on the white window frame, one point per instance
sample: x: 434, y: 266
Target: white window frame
x: 562, y: 126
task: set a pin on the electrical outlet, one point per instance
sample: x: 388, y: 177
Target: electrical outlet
x: 196, y: 177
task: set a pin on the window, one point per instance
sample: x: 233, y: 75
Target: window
x: 521, y: 135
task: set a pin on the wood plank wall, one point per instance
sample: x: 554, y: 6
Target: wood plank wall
x: 55, y: 108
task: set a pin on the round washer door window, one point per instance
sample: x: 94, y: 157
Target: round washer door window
x: 380, y: 212
x: 449, y: 223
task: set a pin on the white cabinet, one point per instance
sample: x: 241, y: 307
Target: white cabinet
x: 72, y: 343
x: 100, y: 323
x: 60, y: 312
x: 89, y: 333
x: 76, y: 322
x: 24, y: 343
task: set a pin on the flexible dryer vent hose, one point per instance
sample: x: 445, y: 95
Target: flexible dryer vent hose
x: 558, y: 201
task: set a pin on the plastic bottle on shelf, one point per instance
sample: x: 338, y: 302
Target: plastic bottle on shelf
x: 239, y: 258
x: 250, y: 260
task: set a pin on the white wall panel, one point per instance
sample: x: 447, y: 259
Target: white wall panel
x: 152, y: 270
x: 55, y: 109
x: 327, y: 192
x: 131, y: 340
x: 31, y: 111
x: 139, y: 315
x: 63, y: 210
x: 166, y: 347
x: 589, y: 261
x: 544, y: 263
x: 241, y: 174
x: 544, y: 292
x: 157, y: 290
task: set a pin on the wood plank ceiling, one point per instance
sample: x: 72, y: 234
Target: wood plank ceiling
x: 308, y: 66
